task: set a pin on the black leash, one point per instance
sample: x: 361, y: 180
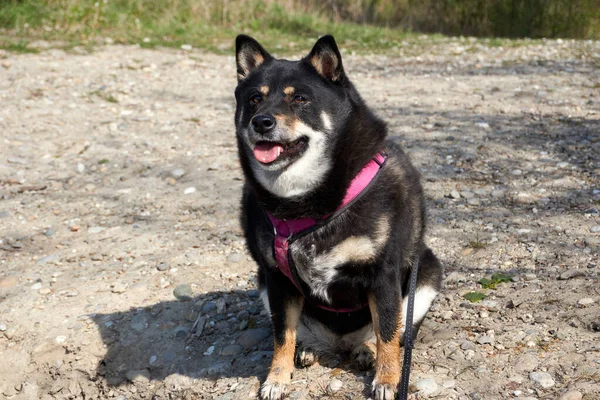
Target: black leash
x: 408, y: 332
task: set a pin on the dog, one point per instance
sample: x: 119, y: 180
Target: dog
x: 333, y: 214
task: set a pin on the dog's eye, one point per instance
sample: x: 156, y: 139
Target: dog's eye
x: 255, y: 98
x: 300, y: 99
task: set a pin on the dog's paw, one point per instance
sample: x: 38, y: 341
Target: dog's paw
x: 364, y: 357
x: 272, y: 391
x: 305, y: 357
x: 383, y: 391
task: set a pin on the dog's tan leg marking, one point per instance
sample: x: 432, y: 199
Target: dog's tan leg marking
x: 282, y: 365
x: 387, y: 361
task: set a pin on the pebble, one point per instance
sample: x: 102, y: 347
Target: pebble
x: 426, y: 386
x: 234, y: 258
x: 36, y: 286
x: 49, y: 232
x: 253, y: 337
x: 162, y: 266
x: 138, y: 376
x: 485, y: 339
x: 455, y: 194
x: 220, y: 303
x: 47, y: 259
x: 497, y: 193
x: 543, y: 379
x: 334, y: 386
x: 209, y: 306
x: 209, y: 351
x: 45, y: 291
x: 2, y: 327
x: 572, y: 273
x: 183, y: 292
x: 466, y: 345
x: 595, y: 229
x: 516, y: 172
x: 586, y: 301
x: 61, y: 339
x: 118, y: 287
x: 232, y: 350
x: 443, y: 334
x: 95, y: 229
x: 526, y: 363
x: 177, y: 173
x: 571, y: 395
x: 189, y: 190
x: 186, y: 47
x: 139, y: 322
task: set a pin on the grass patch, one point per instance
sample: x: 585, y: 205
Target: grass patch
x: 16, y: 46
x: 495, y: 280
x: 211, y: 26
x: 474, y: 297
x: 104, y: 161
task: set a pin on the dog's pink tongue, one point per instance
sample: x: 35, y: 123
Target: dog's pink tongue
x: 267, y: 152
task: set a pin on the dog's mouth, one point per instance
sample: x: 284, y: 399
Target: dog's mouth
x: 269, y: 152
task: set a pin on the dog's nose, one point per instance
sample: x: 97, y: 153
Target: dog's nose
x: 263, y: 123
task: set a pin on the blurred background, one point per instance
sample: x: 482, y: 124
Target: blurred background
x: 371, y: 25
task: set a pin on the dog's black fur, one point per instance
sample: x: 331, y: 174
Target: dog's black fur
x: 390, y: 213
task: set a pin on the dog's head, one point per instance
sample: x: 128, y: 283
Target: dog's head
x: 289, y: 114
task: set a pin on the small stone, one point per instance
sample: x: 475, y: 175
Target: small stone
x: 571, y: 395
x: 523, y: 231
x: 234, y: 258
x: 572, y: 273
x: 467, y: 194
x: 455, y: 194
x: 334, y: 386
x: 45, y: 291
x: 483, y: 125
x: 485, y: 339
x: 253, y: 337
x: 562, y: 165
x: 443, y: 334
x: 118, y: 287
x: 80, y: 168
x: 162, y: 266
x: 47, y: 259
x: 36, y: 286
x: 220, y: 305
x: 595, y: 229
x: 466, y: 345
x: 497, y: 193
x: 139, y: 376
x: 2, y: 327
x: 530, y: 277
x: 139, y: 322
x: 516, y: 172
x: 426, y: 386
x: 586, y: 301
x: 95, y: 229
x: 189, y: 190
x: 209, y: 351
x: 49, y: 232
x: 177, y: 173
x: 61, y: 339
x: 186, y: 47
x: 183, y: 292
x: 473, y: 201
x: 232, y: 350
x: 209, y: 306
x: 152, y: 359
x: 543, y: 379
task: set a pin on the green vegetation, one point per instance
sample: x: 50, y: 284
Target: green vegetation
x: 474, y: 297
x: 496, y: 279
x: 361, y: 25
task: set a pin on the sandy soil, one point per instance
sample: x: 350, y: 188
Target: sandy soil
x: 119, y: 191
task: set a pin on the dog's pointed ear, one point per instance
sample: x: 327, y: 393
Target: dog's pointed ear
x: 326, y: 58
x: 249, y: 55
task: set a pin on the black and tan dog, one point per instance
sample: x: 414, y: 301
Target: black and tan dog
x: 333, y: 215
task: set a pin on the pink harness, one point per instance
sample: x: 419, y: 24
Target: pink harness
x: 285, y: 229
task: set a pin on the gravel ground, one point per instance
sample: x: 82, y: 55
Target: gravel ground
x: 119, y: 191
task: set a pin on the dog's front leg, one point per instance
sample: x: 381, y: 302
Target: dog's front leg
x: 386, y: 312
x: 285, y: 316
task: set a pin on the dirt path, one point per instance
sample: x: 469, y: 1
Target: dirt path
x: 119, y: 187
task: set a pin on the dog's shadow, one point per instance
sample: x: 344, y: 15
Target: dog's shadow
x: 156, y: 341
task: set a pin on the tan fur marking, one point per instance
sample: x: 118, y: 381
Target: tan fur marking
x: 318, y: 60
x: 282, y: 364
x: 264, y: 90
x: 258, y: 59
x: 387, y: 361
x: 289, y: 90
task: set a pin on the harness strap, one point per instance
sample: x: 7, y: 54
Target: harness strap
x: 408, y: 332
x: 285, y: 230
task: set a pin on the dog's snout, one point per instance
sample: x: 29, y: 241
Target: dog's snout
x: 263, y: 123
